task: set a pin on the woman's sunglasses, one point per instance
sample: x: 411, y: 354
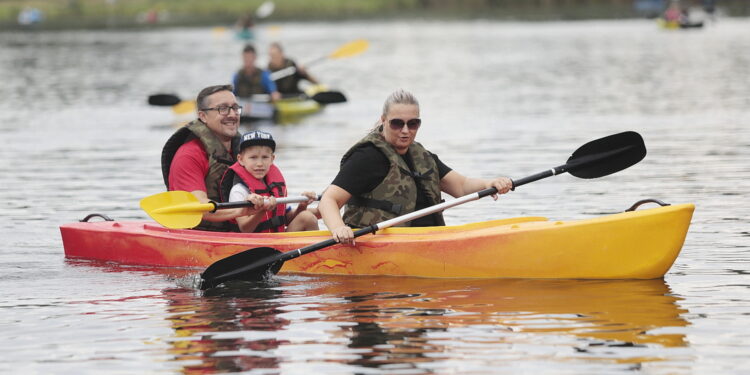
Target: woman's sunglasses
x: 398, y: 124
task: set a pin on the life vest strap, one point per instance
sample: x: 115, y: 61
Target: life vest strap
x: 415, y: 175
x: 271, y: 223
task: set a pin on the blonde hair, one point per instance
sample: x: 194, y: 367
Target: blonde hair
x: 399, y: 96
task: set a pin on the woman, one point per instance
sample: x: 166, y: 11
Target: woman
x: 288, y: 85
x: 387, y: 174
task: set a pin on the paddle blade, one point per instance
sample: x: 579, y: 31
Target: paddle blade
x: 163, y: 100
x: 265, y: 9
x: 607, y: 155
x: 175, y: 209
x: 258, y: 267
x: 329, y: 97
x: 185, y: 107
x: 350, y: 49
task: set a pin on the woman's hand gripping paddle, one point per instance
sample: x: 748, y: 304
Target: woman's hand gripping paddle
x: 597, y: 158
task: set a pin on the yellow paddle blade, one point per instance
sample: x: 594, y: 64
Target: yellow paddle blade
x: 183, y: 107
x: 274, y: 30
x: 175, y: 209
x: 350, y: 49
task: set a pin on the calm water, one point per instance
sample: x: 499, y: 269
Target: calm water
x: 497, y: 99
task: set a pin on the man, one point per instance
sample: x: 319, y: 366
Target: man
x: 196, y: 156
x: 251, y: 80
x: 288, y: 85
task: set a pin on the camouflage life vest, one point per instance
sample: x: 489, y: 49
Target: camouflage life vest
x: 219, y: 160
x: 245, y: 86
x: 288, y: 84
x: 396, y: 195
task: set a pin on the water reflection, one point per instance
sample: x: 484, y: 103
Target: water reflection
x: 233, y: 308
x: 411, y: 324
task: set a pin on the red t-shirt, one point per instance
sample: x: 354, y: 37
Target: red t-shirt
x: 189, y: 167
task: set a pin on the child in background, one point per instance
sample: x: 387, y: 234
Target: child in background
x: 255, y: 172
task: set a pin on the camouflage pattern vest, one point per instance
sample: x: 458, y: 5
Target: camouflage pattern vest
x: 245, y: 86
x: 219, y: 160
x: 396, y: 195
x: 288, y: 84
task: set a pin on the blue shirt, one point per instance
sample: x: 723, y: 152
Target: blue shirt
x: 268, y: 84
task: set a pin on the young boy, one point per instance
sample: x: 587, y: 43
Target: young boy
x: 255, y: 172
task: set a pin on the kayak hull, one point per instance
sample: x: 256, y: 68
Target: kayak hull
x: 672, y: 25
x: 284, y: 110
x: 641, y: 244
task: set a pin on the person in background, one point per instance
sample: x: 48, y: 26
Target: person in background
x: 288, y: 85
x: 387, y: 174
x: 255, y: 172
x: 673, y: 13
x: 196, y: 156
x: 245, y: 26
x: 251, y: 80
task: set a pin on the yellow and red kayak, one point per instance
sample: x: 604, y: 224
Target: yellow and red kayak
x: 640, y: 244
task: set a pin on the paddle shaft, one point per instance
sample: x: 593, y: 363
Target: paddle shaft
x: 238, y: 204
x: 535, y: 177
x: 358, y: 47
x: 286, y: 72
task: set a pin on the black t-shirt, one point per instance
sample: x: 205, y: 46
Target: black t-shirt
x: 366, y: 168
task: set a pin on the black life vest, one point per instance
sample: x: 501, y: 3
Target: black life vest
x: 219, y: 160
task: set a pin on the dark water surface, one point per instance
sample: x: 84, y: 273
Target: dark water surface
x: 497, y: 99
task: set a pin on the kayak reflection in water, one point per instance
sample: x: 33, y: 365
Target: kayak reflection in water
x: 288, y: 85
x: 386, y: 174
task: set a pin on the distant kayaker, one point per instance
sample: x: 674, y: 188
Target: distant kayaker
x: 674, y: 12
x: 386, y: 174
x: 196, y: 156
x: 255, y: 172
x: 288, y: 85
x: 251, y: 80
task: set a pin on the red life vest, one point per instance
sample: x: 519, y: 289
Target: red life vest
x: 272, y: 185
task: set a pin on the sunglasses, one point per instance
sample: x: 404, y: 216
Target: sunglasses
x: 398, y: 124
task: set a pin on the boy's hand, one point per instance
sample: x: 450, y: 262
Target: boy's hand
x: 269, y: 204
x: 311, y: 196
x: 258, y: 203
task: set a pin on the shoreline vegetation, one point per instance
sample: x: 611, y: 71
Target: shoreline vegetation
x: 123, y: 14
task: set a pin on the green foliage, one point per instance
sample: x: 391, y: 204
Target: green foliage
x: 130, y: 13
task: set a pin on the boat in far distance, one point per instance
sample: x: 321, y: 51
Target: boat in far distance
x: 679, y: 24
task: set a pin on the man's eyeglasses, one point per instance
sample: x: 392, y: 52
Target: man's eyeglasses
x: 224, y: 110
x: 398, y: 124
